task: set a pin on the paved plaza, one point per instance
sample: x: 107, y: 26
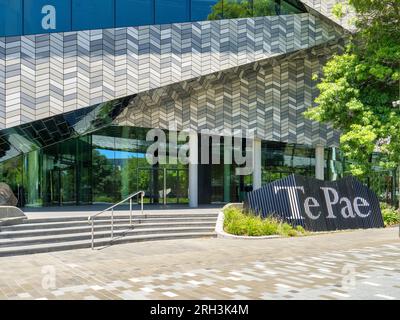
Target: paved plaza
x: 346, y: 265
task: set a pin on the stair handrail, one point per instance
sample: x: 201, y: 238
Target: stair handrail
x: 91, y: 218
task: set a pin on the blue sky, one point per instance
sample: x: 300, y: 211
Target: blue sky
x: 111, y: 154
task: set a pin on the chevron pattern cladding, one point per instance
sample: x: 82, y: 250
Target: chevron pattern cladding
x: 45, y: 75
x: 268, y: 97
x: 324, y: 7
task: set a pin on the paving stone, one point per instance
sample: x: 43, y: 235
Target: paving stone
x: 215, y: 269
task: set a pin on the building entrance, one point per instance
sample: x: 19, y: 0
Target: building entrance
x: 63, y: 185
x: 164, y: 185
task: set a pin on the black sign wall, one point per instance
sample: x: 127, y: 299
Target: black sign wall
x: 318, y: 205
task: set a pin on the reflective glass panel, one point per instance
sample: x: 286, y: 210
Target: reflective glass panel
x: 265, y: 8
x: 11, y: 173
x: 291, y: 7
x: 237, y: 9
x: 280, y: 160
x: 131, y: 13
x: 10, y: 17
x: 206, y: 10
x: 92, y: 14
x: 171, y: 11
x: 19, y: 17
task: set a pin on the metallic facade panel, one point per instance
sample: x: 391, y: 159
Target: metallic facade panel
x: 50, y: 74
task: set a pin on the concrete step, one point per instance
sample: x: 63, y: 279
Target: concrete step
x: 69, y: 228
x: 51, y: 239
x: 11, y: 221
x: 121, y: 216
x: 37, y: 235
x: 70, y: 245
x: 35, y: 224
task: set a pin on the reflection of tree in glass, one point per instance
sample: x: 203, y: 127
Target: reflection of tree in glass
x: 106, y: 180
x: 230, y: 9
x: 216, y: 11
x: 11, y: 172
x: 265, y: 8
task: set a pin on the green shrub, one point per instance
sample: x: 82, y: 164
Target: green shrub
x: 238, y: 222
x: 284, y: 228
x: 300, y: 229
x: 270, y: 227
x: 292, y: 233
x: 390, y: 215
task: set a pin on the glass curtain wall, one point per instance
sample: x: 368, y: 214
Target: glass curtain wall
x: 12, y: 173
x: 109, y: 164
x: 119, y: 158
x: 102, y: 167
x: 334, y: 169
x: 280, y: 160
x: 59, y: 174
x: 218, y: 181
x: 232, y: 9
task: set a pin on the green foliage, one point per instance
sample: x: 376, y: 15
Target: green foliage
x: 357, y: 88
x: 337, y: 10
x: 11, y: 172
x: 106, y: 179
x: 390, y: 215
x: 232, y: 9
x: 239, y: 223
x: 264, y: 8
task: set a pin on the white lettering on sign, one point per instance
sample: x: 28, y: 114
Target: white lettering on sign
x: 311, y: 202
x: 330, y: 201
x: 357, y: 205
x: 348, y: 210
x: 49, y: 20
x: 293, y: 200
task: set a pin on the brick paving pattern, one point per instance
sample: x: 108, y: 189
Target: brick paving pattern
x: 347, y: 265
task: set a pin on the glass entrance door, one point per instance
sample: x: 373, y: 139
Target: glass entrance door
x: 150, y: 180
x: 176, y: 185
x: 68, y: 186
x: 63, y: 186
x: 163, y: 186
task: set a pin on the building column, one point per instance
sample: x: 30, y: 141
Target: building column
x: 227, y: 168
x: 319, y: 162
x: 257, y: 180
x: 193, y: 169
x: 33, y: 174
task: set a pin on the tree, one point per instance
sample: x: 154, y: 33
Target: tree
x: 106, y: 179
x: 231, y: 9
x: 357, y: 87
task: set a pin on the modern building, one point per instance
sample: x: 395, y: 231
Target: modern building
x: 82, y: 82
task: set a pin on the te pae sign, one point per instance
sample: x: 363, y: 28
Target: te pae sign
x: 318, y: 205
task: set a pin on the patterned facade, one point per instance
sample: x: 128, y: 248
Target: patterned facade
x: 46, y: 75
x: 324, y: 8
x: 267, y: 97
x: 75, y: 106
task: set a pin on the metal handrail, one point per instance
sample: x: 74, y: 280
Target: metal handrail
x: 91, y: 218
